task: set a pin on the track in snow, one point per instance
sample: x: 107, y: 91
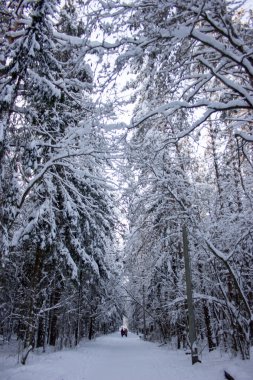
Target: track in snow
x: 112, y: 357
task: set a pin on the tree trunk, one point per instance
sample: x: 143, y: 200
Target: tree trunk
x: 25, y: 354
x: 90, y: 328
x: 211, y: 344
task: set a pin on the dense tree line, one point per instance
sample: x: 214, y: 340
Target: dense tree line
x: 192, y: 155
x: 58, y: 224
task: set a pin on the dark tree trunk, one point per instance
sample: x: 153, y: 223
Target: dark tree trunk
x: 90, y: 328
x: 211, y: 344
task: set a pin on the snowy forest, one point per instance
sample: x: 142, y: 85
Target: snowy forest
x: 123, y: 124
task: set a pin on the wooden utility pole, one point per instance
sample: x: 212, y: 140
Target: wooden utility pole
x: 191, y: 317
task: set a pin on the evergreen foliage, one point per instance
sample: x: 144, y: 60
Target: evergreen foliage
x: 187, y: 161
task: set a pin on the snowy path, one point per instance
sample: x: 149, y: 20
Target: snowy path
x: 114, y: 358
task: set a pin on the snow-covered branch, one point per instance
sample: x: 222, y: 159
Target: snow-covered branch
x: 225, y: 259
x: 53, y: 161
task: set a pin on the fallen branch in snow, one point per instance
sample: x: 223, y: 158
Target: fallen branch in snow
x: 228, y: 376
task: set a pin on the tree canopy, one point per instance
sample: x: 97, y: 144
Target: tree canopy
x: 69, y: 70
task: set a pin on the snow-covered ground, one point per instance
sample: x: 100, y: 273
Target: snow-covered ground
x: 112, y: 357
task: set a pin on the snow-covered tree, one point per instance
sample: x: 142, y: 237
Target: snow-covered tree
x: 58, y: 220
x: 194, y: 70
